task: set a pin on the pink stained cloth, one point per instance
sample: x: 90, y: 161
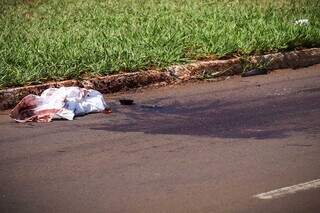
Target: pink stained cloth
x: 61, y: 103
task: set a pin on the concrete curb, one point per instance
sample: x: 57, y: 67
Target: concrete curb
x: 173, y: 74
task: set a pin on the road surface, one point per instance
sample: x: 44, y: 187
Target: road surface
x: 228, y: 146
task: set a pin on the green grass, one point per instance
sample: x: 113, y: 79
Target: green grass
x: 43, y: 40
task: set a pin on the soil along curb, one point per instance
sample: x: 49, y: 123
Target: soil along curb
x: 108, y: 84
x: 173, y: 74
x: 218, y: 68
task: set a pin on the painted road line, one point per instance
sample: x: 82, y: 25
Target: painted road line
x: 289, y: 190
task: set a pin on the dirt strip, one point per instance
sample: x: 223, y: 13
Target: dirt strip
x: 173, y: 74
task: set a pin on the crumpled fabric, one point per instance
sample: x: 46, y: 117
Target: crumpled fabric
x: 58, y: 103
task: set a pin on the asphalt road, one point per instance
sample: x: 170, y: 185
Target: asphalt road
x: 198, y: 147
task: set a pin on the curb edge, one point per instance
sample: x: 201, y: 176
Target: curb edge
x: 173, y: 74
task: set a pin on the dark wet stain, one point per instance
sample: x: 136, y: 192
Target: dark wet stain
x: 261, y: 118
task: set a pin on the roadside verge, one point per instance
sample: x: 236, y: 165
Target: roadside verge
x: 173, y: 74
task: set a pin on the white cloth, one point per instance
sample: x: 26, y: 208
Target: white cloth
x: 64, y: 102
x: 302, y: 22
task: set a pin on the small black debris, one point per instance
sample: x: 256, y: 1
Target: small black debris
x: 150, y: 106
x: 254, y: 72
x: 126, y: 101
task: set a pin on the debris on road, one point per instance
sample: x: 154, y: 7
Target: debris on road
x: 255, y: 71
x: 107, y: 111
x: 59, y: 103
x: 126, y: 101
x: 302, y: 22
x: 150, y: 106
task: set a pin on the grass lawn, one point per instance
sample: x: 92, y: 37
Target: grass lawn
x: 43, y: 40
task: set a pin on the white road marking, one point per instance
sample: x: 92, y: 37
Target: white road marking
x: 289, y: 190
